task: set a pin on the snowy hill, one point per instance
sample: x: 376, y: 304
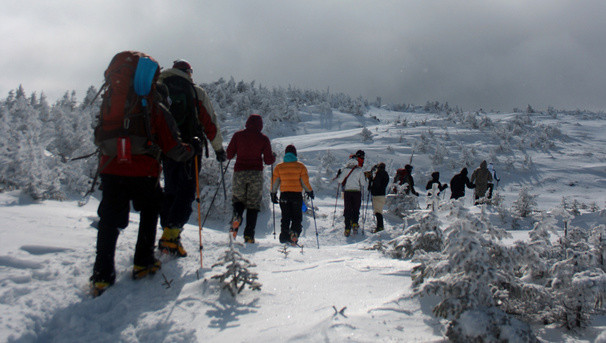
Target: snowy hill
x: 345, y: 290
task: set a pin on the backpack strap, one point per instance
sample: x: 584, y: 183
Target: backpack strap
x: 345, y: 179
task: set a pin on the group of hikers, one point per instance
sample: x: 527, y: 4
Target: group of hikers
x: 172, y: 137
x: 353, y: 181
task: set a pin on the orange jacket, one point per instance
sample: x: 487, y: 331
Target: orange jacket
x: 290, y: 177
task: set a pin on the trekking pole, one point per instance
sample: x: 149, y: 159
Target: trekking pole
x: 334, y: 214
x: 215, y: 195
x: 273, y: 205
x: 365, y: 210
x: 223, y: 182
x: 313, y: 211
x: 199, y: 213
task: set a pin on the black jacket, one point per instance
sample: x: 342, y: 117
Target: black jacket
x: 435, y: 179
x: 379, y: 183
x: 458, y: 183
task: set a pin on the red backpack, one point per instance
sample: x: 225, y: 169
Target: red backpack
x: 123, y: 128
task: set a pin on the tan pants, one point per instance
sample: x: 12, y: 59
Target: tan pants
x: 378, y: 202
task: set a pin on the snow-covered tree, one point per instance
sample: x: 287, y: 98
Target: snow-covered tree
x: 235, y: 272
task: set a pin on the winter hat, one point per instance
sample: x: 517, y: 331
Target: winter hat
x: 435, y: 175
x: 381, y: 165
x: 359, y: 154
x: 291, y: 148
x: 183, y: 65
x: 408, y: 167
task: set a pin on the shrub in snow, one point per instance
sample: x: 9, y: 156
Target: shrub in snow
x: 465, y: 272
x: 488, y: 325
x: 526, y: 203
x: 366, y: 135
x: 401, y: 204
x: 235, y: 274
x: 425, y: 236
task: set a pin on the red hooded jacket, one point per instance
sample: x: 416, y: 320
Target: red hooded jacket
x: 251, y: 147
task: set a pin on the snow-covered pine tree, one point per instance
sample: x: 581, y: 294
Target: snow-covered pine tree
x: 526, y: 203
x: 235, y: 272
x: 425, y: 236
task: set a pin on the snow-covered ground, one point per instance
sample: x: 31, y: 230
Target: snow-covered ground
x: 341, y: 291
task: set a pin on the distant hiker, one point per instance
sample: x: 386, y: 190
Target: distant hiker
x: 435, y: 178
x: 480, y: 178
x: 378, y: 181
x: 458, y: 183
x: 130, y: 139
x: 196, y: 119
x: 291, y: 178
x: 404, y: 177
x: 352, y: 182
x: 491, y: 185
x: 252, y: 149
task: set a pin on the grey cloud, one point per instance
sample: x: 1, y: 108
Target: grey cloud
x: 494, y: 55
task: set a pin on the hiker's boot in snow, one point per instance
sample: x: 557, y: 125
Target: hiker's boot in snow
x: 347, y: 232
x: 294, y: 238
x: 170, y: 242
x: 284, y: 238
x: 354, y: 228
x: 379, y: 217
x: 98, y: 284
x: 142, y: 271
x: 248, y: 239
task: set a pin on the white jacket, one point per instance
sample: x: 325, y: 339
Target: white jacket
x: 356, y: 180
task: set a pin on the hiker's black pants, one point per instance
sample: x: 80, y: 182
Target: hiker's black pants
x: 353, y: 202
x: 117, y: 194
x: 179, y: 192
x: 291, y: 204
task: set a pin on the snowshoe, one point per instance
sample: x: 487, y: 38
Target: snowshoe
x: 140, y: 272
x: 347, y: 232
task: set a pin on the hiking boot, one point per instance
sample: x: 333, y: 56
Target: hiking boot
x: 284, y: 238
x: 354, y: 228
x: 97, y: 288
x: 248, y: 239
x: 140, y: 272
x: 170, y: 242
x: 347, y: 232
x: 294, y: 238
x: 99, y: 285
x: 235, y: 225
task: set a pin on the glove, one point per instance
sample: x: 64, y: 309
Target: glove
x: 274, y: 198
x: 338, y: 173
x: 310, y: 194
x: 221, y: 155
x: 196, y: 143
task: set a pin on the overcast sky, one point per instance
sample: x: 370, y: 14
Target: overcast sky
x: 475, y: 54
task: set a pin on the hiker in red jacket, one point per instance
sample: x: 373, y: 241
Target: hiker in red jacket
x: 251, y: 149
x: 134, y: 178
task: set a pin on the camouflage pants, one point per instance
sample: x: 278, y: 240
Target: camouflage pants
x: 247, y: 186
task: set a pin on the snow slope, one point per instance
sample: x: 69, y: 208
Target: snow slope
x: 341, y: 291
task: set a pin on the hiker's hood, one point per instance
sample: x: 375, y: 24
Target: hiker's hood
x: 254, y: 123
